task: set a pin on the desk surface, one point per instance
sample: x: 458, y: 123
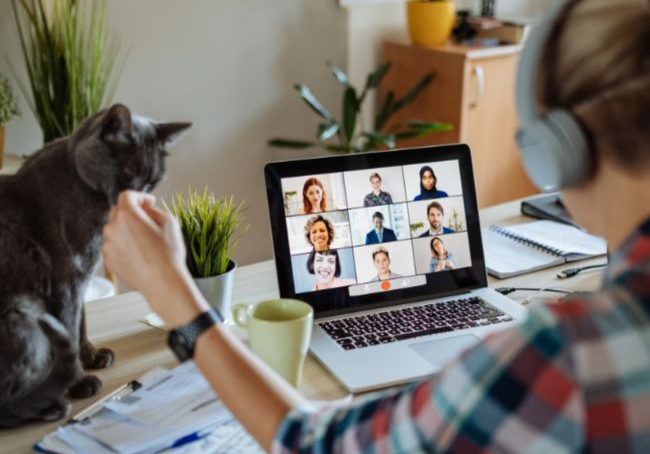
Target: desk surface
x: 113, y: 323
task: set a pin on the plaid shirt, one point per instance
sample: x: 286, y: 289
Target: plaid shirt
x: 574, y: 377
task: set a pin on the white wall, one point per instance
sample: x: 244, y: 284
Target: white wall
x: 228, y: 66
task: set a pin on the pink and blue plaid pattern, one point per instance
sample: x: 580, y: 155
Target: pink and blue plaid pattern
x: 574, y: 377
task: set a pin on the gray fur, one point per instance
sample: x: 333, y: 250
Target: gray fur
x: 51, y: 216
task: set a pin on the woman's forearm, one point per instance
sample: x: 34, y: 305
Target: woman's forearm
x: 253, y: 392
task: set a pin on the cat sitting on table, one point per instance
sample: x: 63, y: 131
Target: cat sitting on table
x: 51, y: 217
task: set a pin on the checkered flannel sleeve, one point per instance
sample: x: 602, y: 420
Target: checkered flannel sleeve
x: 514, y: 392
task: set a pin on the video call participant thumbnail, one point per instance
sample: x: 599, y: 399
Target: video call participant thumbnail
x: 381, y: 260
x: 313, y: 196
x: 319, y: 233
x: 377, y: 196
x: 441, y: 258
x: 435, y: 216
x: 326, y: 268
x: 379, y: 234
x: 428, y: 185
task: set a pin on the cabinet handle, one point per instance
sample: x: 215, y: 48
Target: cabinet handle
x: 478, y: 72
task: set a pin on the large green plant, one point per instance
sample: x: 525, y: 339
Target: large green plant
x: 209, y: 227
x: 345, y: 135
x: 8, y: 106
x: 70, y: 62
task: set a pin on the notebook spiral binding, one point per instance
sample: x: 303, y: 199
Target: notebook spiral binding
x: 521, y: 239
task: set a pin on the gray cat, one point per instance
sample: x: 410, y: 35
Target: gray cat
x: 51, y: 216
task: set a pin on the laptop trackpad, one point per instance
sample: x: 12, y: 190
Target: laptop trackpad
x: 439, y: 351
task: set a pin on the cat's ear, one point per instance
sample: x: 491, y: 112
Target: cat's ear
x: 169, y: 133
x: 117, y: 123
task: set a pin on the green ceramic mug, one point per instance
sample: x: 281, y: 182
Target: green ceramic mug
x: 279, y: 332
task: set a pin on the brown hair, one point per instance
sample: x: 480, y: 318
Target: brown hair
x: 318, y: 218
x: 597, y: 65
x: 374, y: 175
x: 380, y: 250
x: 305, y: 200
x: 435, y: 205
x: 434, y: 252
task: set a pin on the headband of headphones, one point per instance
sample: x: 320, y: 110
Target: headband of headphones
x: 553, y: 146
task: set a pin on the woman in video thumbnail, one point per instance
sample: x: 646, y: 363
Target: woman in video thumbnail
x: 441, y: 258
x: 319, y: 233
x: 313, y: 196
x: 326, y: 268
x: 381, y: 259
x: 428, y: 183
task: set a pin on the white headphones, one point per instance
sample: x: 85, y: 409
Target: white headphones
x: 553, y: 146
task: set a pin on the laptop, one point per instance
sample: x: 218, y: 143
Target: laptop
x: 386, y: 247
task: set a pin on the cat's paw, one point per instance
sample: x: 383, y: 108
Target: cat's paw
x: 86, y: 387
x: 54, y: 412
x: 99, y: 359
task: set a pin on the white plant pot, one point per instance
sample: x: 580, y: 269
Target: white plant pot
x: 217, y: 290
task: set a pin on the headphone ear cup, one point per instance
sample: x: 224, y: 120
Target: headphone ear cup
x: 554, y: 151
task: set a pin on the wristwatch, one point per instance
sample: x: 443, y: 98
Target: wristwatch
x: 182, y: 339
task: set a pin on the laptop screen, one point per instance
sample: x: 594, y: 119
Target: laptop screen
x: 375, y: 229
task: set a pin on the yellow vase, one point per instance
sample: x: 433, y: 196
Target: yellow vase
x: 430, y: 22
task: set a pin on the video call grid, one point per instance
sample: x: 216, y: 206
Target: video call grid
x: 349, y: 208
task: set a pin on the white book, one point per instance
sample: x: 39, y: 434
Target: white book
x: 533, y: 246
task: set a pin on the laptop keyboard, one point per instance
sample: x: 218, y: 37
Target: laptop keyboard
x: 407, y: 323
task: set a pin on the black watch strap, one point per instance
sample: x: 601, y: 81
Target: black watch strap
x: 183, y: 339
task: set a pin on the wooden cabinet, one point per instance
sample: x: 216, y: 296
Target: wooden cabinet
x: 473, y: 90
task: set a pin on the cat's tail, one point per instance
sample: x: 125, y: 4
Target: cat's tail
x: 34, y: 344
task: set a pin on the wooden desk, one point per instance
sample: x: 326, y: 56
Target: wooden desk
x: 113, y: 322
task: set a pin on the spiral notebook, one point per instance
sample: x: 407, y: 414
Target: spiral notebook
x: 524, y: 248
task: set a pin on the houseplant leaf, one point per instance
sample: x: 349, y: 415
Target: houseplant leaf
x: 340, y: 75
x: 374, y: 79
x: 312, y: 102
x: 327, y: 130
x: 350, y: 108
x: 289, y: 143
x: 385, y: 111
x: 424, y: 128
x: 413, y: 93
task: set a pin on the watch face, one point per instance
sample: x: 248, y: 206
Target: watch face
x: 179, y: 346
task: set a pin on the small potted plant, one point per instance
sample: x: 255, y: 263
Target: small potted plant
x: 211, y: 229
x: 430, y: 21
x: 8, y: 110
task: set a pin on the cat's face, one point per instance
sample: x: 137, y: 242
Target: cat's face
x: 116, y: 150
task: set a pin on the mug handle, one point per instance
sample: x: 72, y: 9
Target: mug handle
x: 240, y: 315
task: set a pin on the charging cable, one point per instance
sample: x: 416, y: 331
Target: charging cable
x: 570, y: 272
x: 526, y: 301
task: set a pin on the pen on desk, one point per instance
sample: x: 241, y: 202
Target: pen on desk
x: 121, y: 391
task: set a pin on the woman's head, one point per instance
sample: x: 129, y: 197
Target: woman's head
x: 319, y: 232
x: 324, y: 265
x: 596, y: 65
x: 438, y: 250
x: 313, y: 196
x: 428, y: 180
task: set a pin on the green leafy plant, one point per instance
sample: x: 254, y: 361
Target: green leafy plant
x: 209, y: 226
x: 343, y: 135
x: 69, y: 59
x: 8, y: 106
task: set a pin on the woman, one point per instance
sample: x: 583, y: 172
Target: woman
x: 326, y: 267
x: 441, y: 259
x: 313, y: 196
x: 319, y: 233
x: 381, y: 260
x: 573, y: 378
x: 428, y: 182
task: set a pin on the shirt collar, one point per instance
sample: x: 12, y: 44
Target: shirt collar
x: 634, y: 251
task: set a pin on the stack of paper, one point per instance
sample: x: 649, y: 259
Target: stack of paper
x: 166, y: 410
